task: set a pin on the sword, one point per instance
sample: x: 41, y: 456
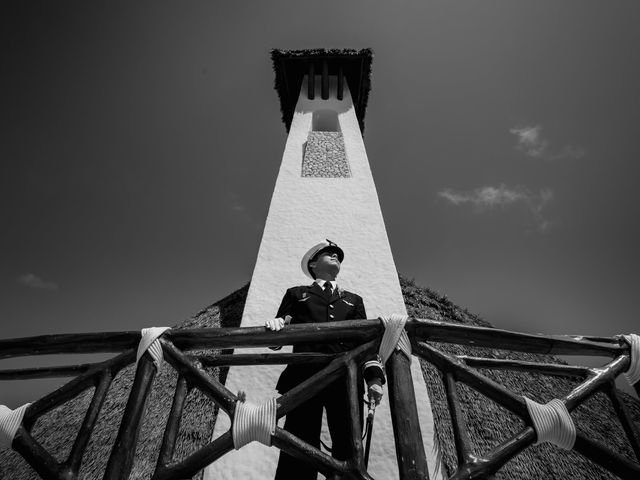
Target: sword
x: 369, y: 430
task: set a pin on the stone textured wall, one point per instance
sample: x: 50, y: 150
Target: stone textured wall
x: 325, y: 156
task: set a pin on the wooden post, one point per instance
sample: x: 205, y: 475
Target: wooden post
x: 459, y: 425
x: 124, y: 450
x: 311, y: 81
x: 355, y: 429
x: 325, y: 79
x: 173, y: 423
x: 629, y: 427
x: 199, y: 459
x: 40, y: 460
x: 90, y: 419
x: 412, y: 461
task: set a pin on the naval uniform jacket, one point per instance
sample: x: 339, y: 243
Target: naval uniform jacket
x: 309, y: 304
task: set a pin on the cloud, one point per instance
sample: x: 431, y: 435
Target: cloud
x: 241, y: 211
x: 34, y: 281
x: 532, y: 143
x: 488, y: 197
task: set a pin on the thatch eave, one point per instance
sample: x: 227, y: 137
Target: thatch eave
x: 291, y: 66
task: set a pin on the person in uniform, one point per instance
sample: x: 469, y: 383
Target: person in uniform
x: 322, y: 301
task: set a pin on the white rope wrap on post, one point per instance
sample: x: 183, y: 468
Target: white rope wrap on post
x: 394, y: 337
x: 633, y: 373
x: 552, y: 423
x: 150, y: 342
x: 254, y: 423
x: 10, y: 420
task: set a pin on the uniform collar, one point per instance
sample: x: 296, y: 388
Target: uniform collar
x: 321, y: 283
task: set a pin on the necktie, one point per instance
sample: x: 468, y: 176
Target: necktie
x: 327, y: 289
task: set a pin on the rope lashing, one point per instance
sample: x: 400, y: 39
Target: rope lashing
x: 552, y: 423
x: 633, y: 373
x: 10, y: 420
x: 394, y: 337
x: 253, y: 422
x: 150, y: 342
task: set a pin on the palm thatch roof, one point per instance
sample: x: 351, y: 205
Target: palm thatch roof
x: 57, y: 429
x: 488, y: 423
x: 291, y: 66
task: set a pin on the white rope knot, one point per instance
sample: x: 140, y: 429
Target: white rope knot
x: 10, y: 421
x: 150, y: 342
x: 552, y: 423
x: 253, y: 422
x: 395, y: 337
x: 633, y: 373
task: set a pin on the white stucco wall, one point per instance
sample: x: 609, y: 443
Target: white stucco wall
x: 297, y: 220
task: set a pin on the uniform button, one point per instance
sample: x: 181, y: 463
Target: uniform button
x: 330, y: 306
x: 330, y: 316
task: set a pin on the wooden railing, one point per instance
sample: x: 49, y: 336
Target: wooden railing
x: 177, y: 345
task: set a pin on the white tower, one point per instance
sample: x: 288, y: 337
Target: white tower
x: 324, y: 190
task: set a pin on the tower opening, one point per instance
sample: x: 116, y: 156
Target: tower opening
x: 325, y: 120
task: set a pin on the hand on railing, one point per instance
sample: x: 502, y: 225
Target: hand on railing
x: 276, y: 324
x: 374, y: 391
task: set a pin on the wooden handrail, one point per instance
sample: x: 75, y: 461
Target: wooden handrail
x: 329, y: 332
x: 177, y: 344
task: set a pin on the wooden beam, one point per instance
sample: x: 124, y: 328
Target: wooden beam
x: 445, y: 332
x: 412, y: 461
x: 460, y: 432
x: 357, y: 331
x: 299, y: 449
x: 69, y: 343
x: 325, y: 79
x: 602, y: 456
x: 199, y: 459
x: 355, y: 424
x: 208, y: 385
x: 262, y: 359
x: 521, y: 365
x: 43, y: 372
x: 40, y: 460
x: 489, y: 388
x: 589, y: 387
x: 629, y: 427
x: 109, y: 342
x: 124, y: 449
x: 311, y: 81
x: 173, y: 423
x: 352, y: 330
x: 319, y: 381
x: 483, y: 468
x: 74, y: 387
x: 84, y: 434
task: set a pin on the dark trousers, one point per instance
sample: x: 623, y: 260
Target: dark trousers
x: 305, y: 422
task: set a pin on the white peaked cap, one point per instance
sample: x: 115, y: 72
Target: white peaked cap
x: 315, y: 250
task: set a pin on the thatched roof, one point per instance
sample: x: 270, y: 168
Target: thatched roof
x: 488, y: 423
x: 57, y: 429
x: 291, y: 66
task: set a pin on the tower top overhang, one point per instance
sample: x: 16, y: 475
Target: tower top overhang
x: 291, y: 66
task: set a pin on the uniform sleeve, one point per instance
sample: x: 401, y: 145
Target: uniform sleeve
x: 284, y: 310
x: 372, y: 367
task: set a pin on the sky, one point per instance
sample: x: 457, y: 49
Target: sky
x: 140, y: 143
